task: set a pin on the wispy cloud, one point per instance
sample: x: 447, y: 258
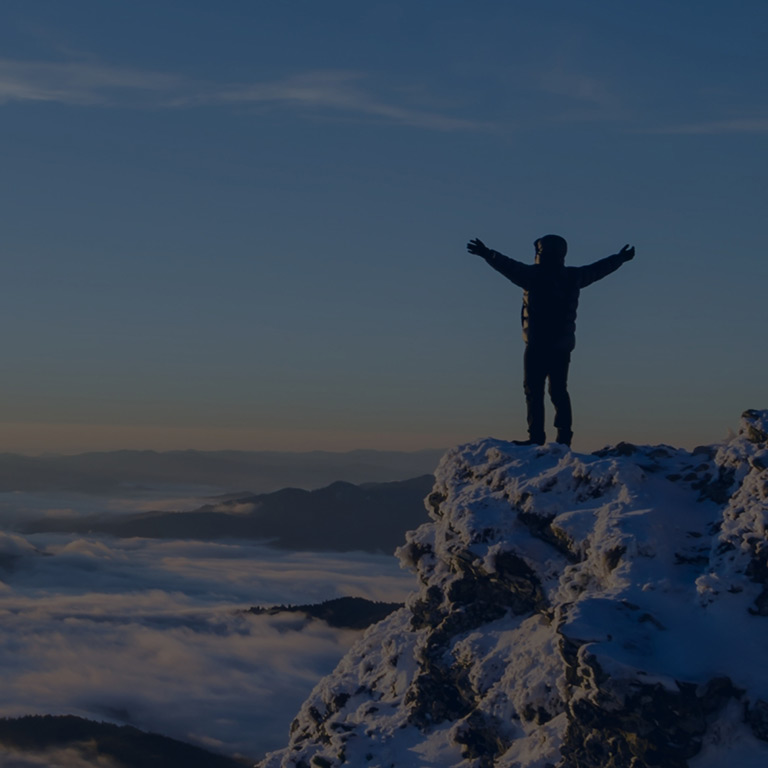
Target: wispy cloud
x: 95, y: 84
x: 575, y: 85
x: 77, y: 83
x: 716, y: 127
x: 342, y: 91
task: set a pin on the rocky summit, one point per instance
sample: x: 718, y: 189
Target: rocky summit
x: 572, y: 611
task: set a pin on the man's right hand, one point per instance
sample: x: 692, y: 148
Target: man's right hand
x: 478, y: 247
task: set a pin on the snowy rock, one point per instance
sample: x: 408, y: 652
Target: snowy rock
x: 572, y: 611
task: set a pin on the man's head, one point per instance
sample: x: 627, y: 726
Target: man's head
x: 551, y: 250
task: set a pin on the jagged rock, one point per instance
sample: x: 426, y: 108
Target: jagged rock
x: 754, y: 426
x: 571, y: 611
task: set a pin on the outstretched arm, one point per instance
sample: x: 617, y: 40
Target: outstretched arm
x: 600, y: 269
x: 513, y: 270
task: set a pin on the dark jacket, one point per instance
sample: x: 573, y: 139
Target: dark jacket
x: 552, y: 295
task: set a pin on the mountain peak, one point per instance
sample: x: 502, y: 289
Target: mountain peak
x: 572, y: 610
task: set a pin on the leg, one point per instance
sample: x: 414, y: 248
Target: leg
x: 558, y: 392
x: 535, y: 374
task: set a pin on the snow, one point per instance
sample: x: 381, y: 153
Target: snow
x: 550, y: 581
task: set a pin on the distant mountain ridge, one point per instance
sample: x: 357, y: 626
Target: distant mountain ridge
x: 258, y: 471
x: 68, y: 740
x: 340, y: 517
x: 340, y: 612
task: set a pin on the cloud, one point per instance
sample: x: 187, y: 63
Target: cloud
x: 150, y: 633
x: 76, y: 83
x: 76, y: 756
x: 242, y: 508
x: 578, y: 86
x: 340, y: 91
x: 716, y: 127
x: 94, y: 84
x: 12, y: 545
x: 240, y: 685
x: 18, y: 507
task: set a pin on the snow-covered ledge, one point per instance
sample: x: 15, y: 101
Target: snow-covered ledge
x: 572, y: 610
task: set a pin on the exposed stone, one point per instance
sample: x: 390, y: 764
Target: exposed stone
x: 613, y: 555
x: 755, y: 426
x: 756, y: 716
x: 481, y: 739
x: 653, y: 727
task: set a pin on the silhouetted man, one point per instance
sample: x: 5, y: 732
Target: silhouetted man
x: 549, y: 323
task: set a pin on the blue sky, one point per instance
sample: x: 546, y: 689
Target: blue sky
x: 243, y: 224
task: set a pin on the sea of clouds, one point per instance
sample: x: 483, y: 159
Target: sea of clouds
x: 152, y: 633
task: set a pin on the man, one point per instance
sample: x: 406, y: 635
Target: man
x: 549, y: 323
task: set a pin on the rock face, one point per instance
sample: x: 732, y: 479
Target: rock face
x: 572, y: 611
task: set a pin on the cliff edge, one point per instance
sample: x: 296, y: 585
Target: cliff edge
x: 573, y: 611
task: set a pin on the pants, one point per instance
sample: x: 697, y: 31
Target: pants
x: 540, y: 364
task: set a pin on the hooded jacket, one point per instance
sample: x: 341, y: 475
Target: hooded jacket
x: 551, y: 293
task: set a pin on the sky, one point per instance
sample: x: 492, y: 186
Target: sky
x: 243, y: 224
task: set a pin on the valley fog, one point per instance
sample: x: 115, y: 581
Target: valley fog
x: 151, y: 632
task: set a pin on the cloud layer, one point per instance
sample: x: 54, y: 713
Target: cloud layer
x: 148, y: 633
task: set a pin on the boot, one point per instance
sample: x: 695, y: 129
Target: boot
x: 564, y: 437
x: 537, y: 440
